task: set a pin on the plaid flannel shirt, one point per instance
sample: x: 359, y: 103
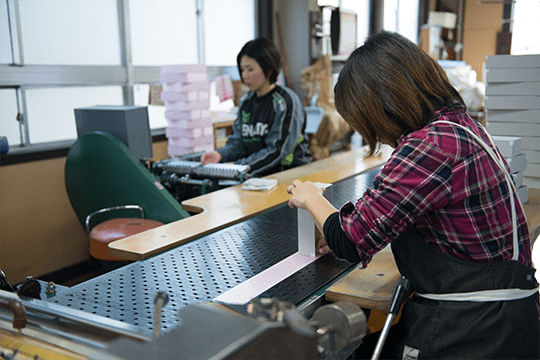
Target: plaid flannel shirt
x: 440, y: 179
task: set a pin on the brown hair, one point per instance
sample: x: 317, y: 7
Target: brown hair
x: 390, y: 87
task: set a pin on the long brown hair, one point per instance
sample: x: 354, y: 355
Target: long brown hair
x: 390, y: 87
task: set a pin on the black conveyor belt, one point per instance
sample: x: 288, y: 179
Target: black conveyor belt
x: 204, y: 268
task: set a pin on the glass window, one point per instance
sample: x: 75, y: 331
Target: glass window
x: 526, y: 27
x: 76, y: 32
x: 390, y: 19
x: 5, y: 44
x: 401, y: 16
x: 88, y: 32
x: 163, y: 32
x: 9, y: 126
x: 334, y: 3
x: 224, y: 39
x: 51, y: 112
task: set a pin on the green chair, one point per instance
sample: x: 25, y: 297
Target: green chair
x: 101, y: 173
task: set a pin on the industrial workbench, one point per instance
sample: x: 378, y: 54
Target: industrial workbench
x: 204, y: 268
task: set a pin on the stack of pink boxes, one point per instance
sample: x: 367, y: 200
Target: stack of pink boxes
x: 186, y: 94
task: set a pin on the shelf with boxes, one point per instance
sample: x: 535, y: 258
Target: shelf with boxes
x: 186, y: 95
x: 441, y: 36
x: 513, y: 106
x: 510, y: 148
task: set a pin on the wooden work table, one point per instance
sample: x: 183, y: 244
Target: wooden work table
x: 223, y: 208
x: 370, y: 288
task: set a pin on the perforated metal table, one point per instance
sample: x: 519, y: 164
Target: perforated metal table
x: 203, y: 269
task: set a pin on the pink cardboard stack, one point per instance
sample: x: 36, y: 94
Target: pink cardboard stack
x: 186, y: 94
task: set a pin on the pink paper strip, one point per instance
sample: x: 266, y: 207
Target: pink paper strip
x: 263, y: 281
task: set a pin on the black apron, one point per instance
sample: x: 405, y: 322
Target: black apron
x: 436, y: 329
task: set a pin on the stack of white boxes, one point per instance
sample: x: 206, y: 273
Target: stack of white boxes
x: 510, y: 148
x: 513, y: 107
x: 186, y: 94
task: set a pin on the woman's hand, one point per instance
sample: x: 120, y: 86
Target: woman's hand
x: 320, y: 245
x: 210, y: 157
x: 302, y: 193
x: 307, y: 196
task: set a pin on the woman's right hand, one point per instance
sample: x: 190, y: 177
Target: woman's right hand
x: 302, y: 193
x: 210, y: 157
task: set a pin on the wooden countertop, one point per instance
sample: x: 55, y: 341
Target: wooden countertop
x: 223, y: 208
x: 371, y: 287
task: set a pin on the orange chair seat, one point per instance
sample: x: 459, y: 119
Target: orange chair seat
x: 116, y: 229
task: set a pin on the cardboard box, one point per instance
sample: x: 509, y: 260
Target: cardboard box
x: 189, y: 124
x: 307, y: 231
x: 173, y: 114
x: 179, y: 96
x: 523, y: 193
x: 178, y: 150
x: 512, y: 61
x: 518, y: 178
x: 532, y: 182
x: 221, y: 142
x: 513, y: 89
x: 495, y: 102
x: 173, y: 132
x: 507, y: 145
x: 181, y: 77
x: 185, y: 96
x: 189, y: 73
x: 512, y: 75
x: 517, y: 163
x: 530, y: 143
x: 188, y: 105
x: 191, y: 132
x: 190, y: 142
x: 522, y: 116
x: 204, y: 95
x: 513, y: 129
x: 185, y: 87
x: 533, y: 156
x: 532, y: 170
x: 184, y: 69
x: 442, y: 19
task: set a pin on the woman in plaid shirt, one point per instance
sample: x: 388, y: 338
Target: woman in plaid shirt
x: 442, y: 201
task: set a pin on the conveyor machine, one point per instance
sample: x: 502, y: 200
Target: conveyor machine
x: 186, y: 177
x: 194, y: 274
x: 263, y: 329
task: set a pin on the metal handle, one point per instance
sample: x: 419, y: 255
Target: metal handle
x: 11, y: 302
x: 402, y: 291
x: 160, y: 300
x: 121, y: 207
